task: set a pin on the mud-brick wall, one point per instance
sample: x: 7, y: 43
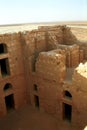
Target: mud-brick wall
x: 51, y: 65
x: 83, y: 46
x: 14, y: 52
x: 68, y: 37
x: 74, y: 35
x: 54, y: 37
x: 16, y: 77
x: 49, y: 94
x: 74, y: 55
x: 33, y: 43
x: 80, y: 95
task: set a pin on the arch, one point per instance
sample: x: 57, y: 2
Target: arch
x: 3, y: 48
x: 7, y: 87
x: 67, y: 94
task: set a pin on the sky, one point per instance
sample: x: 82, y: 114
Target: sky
x: 32, y: 11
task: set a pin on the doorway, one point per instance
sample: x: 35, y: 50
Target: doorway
x: 36, y: 99
x: 67, y: 112
x: 9, y: 101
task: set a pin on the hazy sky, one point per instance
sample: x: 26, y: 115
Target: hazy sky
x: 26, y: 11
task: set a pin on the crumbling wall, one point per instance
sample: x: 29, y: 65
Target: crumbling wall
x: 68, y: 37
x: 32, y: 63
x: 16, y: 76
x: 33, y: 43
x: 83, y: 46
x: 73, y: 54
x: 51, y: 65
x: 54, y: 36
x: 50, y: 73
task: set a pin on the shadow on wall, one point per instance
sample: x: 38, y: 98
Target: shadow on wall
x: 68, y: 37
x: 61, y: 35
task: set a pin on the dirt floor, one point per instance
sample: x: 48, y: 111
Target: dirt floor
x: 28, y: 118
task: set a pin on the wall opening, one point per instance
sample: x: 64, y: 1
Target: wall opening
x: 7, y: 87
x: 36, y: 99
x: 9, y: 101
x: 34, y: 59
x: 67, y: 94
x: 35, y: 87
x: 4, y: 67
x: 3, y: 48
x: 67, y: 112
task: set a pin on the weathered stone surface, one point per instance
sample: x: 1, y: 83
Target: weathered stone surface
x: 43, y: 71
x: 51, y: 65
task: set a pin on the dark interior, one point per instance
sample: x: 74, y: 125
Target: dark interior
x: 67, y: 112
x: 36, y: 101
x: 4, y: 66
x: 3, y: 48
x: 9, y: 100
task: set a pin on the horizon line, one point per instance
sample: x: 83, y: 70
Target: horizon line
x: 44, y: 22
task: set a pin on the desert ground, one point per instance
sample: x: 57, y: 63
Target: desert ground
x: 30, y: 26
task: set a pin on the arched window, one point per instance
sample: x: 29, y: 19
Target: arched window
x: 3, y: 48
x: 7, y: 86
x: 67, y: 94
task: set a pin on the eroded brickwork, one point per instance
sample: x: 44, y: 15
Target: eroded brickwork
x: 45, y: 70
x: 16, y: 73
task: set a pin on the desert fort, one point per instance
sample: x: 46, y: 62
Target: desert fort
x: 45, y: 67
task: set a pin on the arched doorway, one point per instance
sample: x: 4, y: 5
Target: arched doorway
x: 67, y: 112
x: 67, y: 94
x: 8, y: 86
x: 36, y: 100
x: 67, y: 106
x: 9, y: 99
x: 9, y: 102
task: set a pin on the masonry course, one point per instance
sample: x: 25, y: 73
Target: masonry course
x: 47, y: 68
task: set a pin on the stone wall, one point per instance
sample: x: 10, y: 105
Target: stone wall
x: 50, y: 76
x: 51, y: 65
x: 16, y: 72
x: 40, y: 62
x: 73, y: 54
x: 33, y: 43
